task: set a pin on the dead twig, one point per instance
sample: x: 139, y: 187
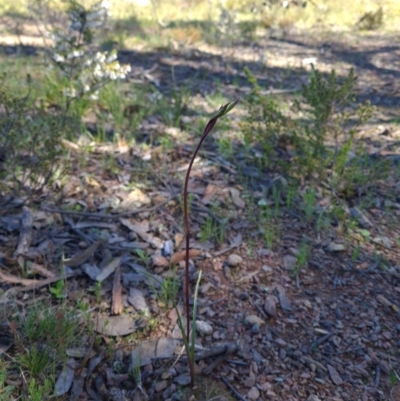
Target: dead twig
x: 229, y: 350
x: 232, y: 389
x: 48, y: 281
x: 108, y: 216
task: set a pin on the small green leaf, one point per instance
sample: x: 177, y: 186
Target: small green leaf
x: 364, y: 233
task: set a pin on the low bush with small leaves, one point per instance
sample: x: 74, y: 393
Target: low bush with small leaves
x: 30, y: 152
x: 315, y: 138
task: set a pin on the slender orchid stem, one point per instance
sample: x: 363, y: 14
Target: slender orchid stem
x: 221, y: 112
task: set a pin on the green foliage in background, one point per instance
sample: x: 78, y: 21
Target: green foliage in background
x: 30, y: 149
x: 320, y: 129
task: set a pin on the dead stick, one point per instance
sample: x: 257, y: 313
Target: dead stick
x: 232, y: 389
x: 48, y: 281
x: 108, y: 216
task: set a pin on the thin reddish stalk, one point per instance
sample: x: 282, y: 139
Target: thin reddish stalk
x: 223, y: 110
x: 210, y: 126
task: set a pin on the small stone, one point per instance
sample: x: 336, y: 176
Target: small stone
x: 339, y: 314
x: 270, y: 305
x: 244, y: 296
x: 267, y: 269
x: 234, y: 260
x: 283, y: 300
x: 282, y: 354
x: 336, y: 379
x: 249, y: 381
x: 205, y: 287
x: 168, y: 392
x: 383, y: 300
x: 289, y: 262
x: 227, y: 272
x: 280, y: 342
x: 385, y: 241
x: 253, y: 394
x: 176, y: 397
x: 313, y: 398
x: 255, y: 329
x: 387, y: 335
x: 336, y: 247
x: 253, y: 319
x: 327, y: 324
x: 160, y: 386
x: 168, y: 248
x: 265, y: 386
x: 216, y: 335
x: 204, y: 327
x: 182, y: 380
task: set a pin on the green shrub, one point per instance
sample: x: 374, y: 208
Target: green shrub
x: 371, y: 20
x: 30, y: 152
x: 320, y: 129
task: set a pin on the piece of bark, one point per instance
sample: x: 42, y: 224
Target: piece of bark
x: 25, y: 235
x: 117, y: 306
x: 83, y: 256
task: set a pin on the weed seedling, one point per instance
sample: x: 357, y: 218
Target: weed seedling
x: 302, y: 257
x: 309, y: 204
x: 58, y: 290
x: 97, y: 291
x: 5, y: 390
x: 144, y: 257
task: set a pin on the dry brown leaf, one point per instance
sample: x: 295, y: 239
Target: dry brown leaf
x: 159, y: 261
x: 178, y: 238
x: 178, y: 256
x: 139, y: 228
x: 134, y: 199
x: 117, y: 306
x: 209, y: 193
x: 236, y: 198
x: 83, y: 256
x: 121, y: 325
x: 109, y: 269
